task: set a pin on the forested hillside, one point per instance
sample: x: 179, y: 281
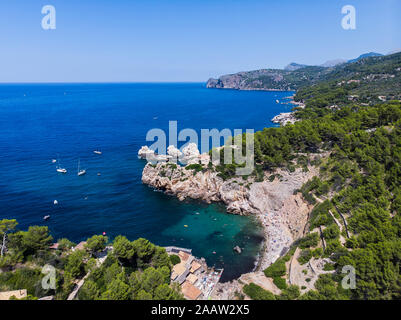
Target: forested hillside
x: 350, y: 129
x: 367, y: 81
x: 360, y: 182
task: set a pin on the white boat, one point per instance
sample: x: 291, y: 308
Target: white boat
x: 97, y: 152
x: 80, y: 172
x: 277, y: 101
x: 59, y: 168
x: 46, y: 217
x: 54, y: 160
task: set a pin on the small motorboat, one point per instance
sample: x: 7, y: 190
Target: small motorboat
x: 277, y: 101
x: 46, y: 217
x: 54, y: 160
x: 55, y: 202
x: 59, y: 168
x: 97, y: 152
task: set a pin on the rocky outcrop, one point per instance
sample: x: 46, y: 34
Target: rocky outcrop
x: 204, y: 185
x: 189, y: 155
x: 264, y: 79
x: 145, y: 152
x: 284, y: 118
x: 174, y: 152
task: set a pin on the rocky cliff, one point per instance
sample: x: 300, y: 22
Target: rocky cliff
x: 270, y: 79
x: 264, y: 79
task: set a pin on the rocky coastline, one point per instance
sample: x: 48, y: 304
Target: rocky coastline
x: 282, y: 213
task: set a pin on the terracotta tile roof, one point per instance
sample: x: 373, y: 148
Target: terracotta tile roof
x: 179, y: 268
x: 190, y: 291
x: 54, y: 246
x: 192, y: 278
x: 80, y: 246
x: 183, y: 256
x: 195, y: 266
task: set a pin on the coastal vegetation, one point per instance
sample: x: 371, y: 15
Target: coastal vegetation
x: 359, y: 181
x: 131, y: 270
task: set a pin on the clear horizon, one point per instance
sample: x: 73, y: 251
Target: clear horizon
x: 181, y: 41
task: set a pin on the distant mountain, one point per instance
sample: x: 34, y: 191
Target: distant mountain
x: 333, y: 63
x: 365, y: 55
x: 294, y: 66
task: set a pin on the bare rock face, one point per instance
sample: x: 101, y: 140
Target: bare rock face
x: 190, y: 154
x: 144, y: 152
x: 284, y: 118
x: 263, y: 79
x: 174, y: 152
x: 187, y: 183
x: 246, y: 197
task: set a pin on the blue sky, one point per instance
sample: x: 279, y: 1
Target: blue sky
x: 175, y: 40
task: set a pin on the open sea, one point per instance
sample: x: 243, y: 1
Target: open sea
x: 41, y: 122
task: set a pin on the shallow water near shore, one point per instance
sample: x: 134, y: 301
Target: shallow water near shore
x: 41, y: 122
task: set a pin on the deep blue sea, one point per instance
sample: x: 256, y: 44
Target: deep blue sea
x: 41, y: 122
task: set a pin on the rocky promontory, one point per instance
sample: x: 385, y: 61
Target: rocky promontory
x: 264, y: 79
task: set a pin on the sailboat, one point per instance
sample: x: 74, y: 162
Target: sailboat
x: 80, y: 172
x: 59, y: 168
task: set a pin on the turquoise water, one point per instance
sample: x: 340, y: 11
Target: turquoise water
x: 40, y: 122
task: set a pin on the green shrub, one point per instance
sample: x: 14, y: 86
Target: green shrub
x: 195, y: 166
x: 277, y: 269
x: 331, y: 232
x: 24, y: 278
x: 175, y: 259
x: 310, y: 240
x: 280, y: 283
x: 317, y: 253
x: 256, y: 292
x: 290, y: 293
x: 305, y: 256
x: 329, y: 267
